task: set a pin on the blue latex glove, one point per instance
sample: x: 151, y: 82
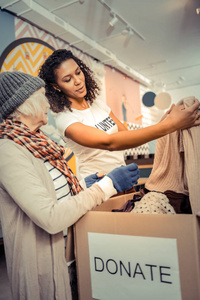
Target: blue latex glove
x: 124, y: 177
x: 91, y: 179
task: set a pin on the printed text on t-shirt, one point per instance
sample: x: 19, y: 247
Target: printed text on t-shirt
x: 106, y: 124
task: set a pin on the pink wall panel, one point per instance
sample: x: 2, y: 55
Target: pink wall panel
x: 119, y: 87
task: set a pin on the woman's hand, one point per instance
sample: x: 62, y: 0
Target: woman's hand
x: 167, y: 113
x: 124, y: 177
x: 91, y: 179
x: 181, y: 117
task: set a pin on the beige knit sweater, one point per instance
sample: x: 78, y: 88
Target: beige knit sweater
x: 177, y: 163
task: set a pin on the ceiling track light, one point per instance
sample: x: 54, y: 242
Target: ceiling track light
x: 119, y: 18
x: 113, y: 21
x: 67, y: 4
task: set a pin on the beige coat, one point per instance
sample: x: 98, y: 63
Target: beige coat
x: 32, y: 223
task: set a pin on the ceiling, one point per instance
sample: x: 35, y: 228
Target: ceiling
x: 162, y: 50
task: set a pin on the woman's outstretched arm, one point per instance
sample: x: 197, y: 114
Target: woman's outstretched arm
x: 177, y: 118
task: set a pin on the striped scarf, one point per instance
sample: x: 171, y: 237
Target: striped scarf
x: 41, y: 146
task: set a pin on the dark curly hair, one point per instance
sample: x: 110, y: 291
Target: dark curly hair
x: 58, y: 100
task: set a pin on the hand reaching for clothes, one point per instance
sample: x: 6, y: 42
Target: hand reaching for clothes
x: 124, y: 177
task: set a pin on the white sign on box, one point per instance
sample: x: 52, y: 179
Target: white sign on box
x: 133, y: 267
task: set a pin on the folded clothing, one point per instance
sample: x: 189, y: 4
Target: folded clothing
x: 153, y: 203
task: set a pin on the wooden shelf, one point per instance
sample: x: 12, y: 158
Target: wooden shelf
x: 145, y: 166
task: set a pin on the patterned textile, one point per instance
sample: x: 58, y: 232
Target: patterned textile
x: 153, y: 203
x: 140, y: 150
x: 41, y: 147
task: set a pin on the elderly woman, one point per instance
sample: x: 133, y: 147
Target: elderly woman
x: 39, y: 194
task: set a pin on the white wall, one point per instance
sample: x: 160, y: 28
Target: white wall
x: 151, y: 115
x: 179, y: 94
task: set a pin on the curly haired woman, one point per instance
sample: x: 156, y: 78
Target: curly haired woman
x: 88, y: 126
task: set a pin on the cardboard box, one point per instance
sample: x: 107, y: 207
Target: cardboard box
x: 137, y: 256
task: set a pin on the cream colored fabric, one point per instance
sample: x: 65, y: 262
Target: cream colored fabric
x: 153, y: 203
x: 177, y: 163
x: 168, y: 168
x: 191, y: 148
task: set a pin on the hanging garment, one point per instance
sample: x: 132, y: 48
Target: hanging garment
x: 177, y: 163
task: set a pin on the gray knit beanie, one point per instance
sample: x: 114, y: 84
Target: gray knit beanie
x: 15, y: 88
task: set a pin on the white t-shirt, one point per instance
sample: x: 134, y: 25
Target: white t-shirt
x: 91, y: 160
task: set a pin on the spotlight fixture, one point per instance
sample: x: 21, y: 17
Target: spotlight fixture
x: 198, y: 11
x: 130, y: 33
x: 113, y: 21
